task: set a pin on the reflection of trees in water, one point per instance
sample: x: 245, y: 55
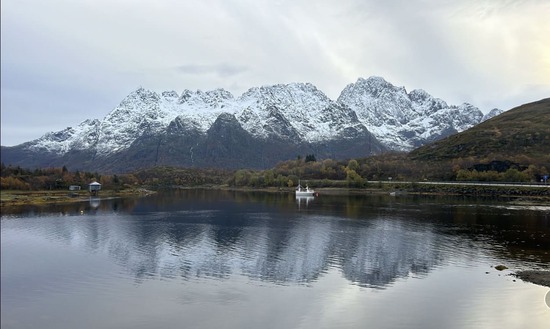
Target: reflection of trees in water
x: 498, y: 226
x: 189, y: 238
x: 92, y: 205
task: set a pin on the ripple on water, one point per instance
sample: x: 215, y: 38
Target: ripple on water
x: 356, y: 263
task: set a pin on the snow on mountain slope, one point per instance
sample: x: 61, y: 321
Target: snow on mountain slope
x: 142, y: 112
x: 83, y: 136
x: 297, y: 109
x: 295, y: 112
x: 404, y: 120
x: 493, y: 113
x: 198, y: 110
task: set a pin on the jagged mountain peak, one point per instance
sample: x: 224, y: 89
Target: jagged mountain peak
x: 424, y: 103
x: 170, y: 95
x: 420, y: 96
x: 377, y: 102
x: 139, y: 102
x: 294, y: 111
x: 90, y: 122
x: 295, y: 117
x: 211, y: 99
x: 493, y: 113
x: 220, y: 94
x: 297, y: 101
x: 297, y: 92
x: 404, y: 120
x: 143, y: 95
x: 374, y: 81
x: 376, y: 86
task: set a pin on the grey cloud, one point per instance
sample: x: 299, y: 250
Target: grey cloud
x: 223, y: 70
x: 76, y: 60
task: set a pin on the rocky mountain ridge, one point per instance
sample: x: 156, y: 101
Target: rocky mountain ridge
x: 261, y: 127
x: 403, y: 121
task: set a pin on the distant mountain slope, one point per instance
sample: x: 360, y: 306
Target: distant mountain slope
x: 524, y: 130
x: 207, y: 129
x: 263, y: 126
x: 403, y: 121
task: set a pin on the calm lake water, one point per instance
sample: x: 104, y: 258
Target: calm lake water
x: 217, y: 259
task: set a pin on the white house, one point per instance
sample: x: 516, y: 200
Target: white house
x: 94, y: 187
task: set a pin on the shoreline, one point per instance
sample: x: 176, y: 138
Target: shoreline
x: 539, y: 277
x: 44, y: 198
x: 13, y: 198
x: 522, y: 196
x: 518, y: 195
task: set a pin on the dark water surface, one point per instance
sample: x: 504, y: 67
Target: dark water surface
x: 217, y: 259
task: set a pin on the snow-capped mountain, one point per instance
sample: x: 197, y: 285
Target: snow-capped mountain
x: 258, y: 129
x: 403, y: 121
x: 493, y: 113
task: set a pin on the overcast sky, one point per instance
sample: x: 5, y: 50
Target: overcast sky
x: 66, y: 61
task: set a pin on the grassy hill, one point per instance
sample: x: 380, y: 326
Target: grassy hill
x: 522, y: 132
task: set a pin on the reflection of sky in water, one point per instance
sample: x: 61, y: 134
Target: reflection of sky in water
x: 295, y: 266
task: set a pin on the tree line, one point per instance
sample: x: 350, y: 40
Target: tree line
x: 18, y: 178
x: 55, y: 178
x: 287, y: 174
x: 391, y: 166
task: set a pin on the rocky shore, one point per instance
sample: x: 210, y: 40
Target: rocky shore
x: 535, y: 276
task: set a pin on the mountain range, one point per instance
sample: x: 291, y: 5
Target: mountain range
x: 521, y: 134
x: 263, y: 126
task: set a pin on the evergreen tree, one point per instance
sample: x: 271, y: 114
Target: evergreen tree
x: 310, y: 158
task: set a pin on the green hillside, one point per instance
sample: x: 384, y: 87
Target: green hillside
x: 521, y: 133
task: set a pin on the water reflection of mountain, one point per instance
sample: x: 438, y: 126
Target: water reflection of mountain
x: 192, y: 237
x: 264, y: 245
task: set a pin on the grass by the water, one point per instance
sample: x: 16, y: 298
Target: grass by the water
x: 19, y: 198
